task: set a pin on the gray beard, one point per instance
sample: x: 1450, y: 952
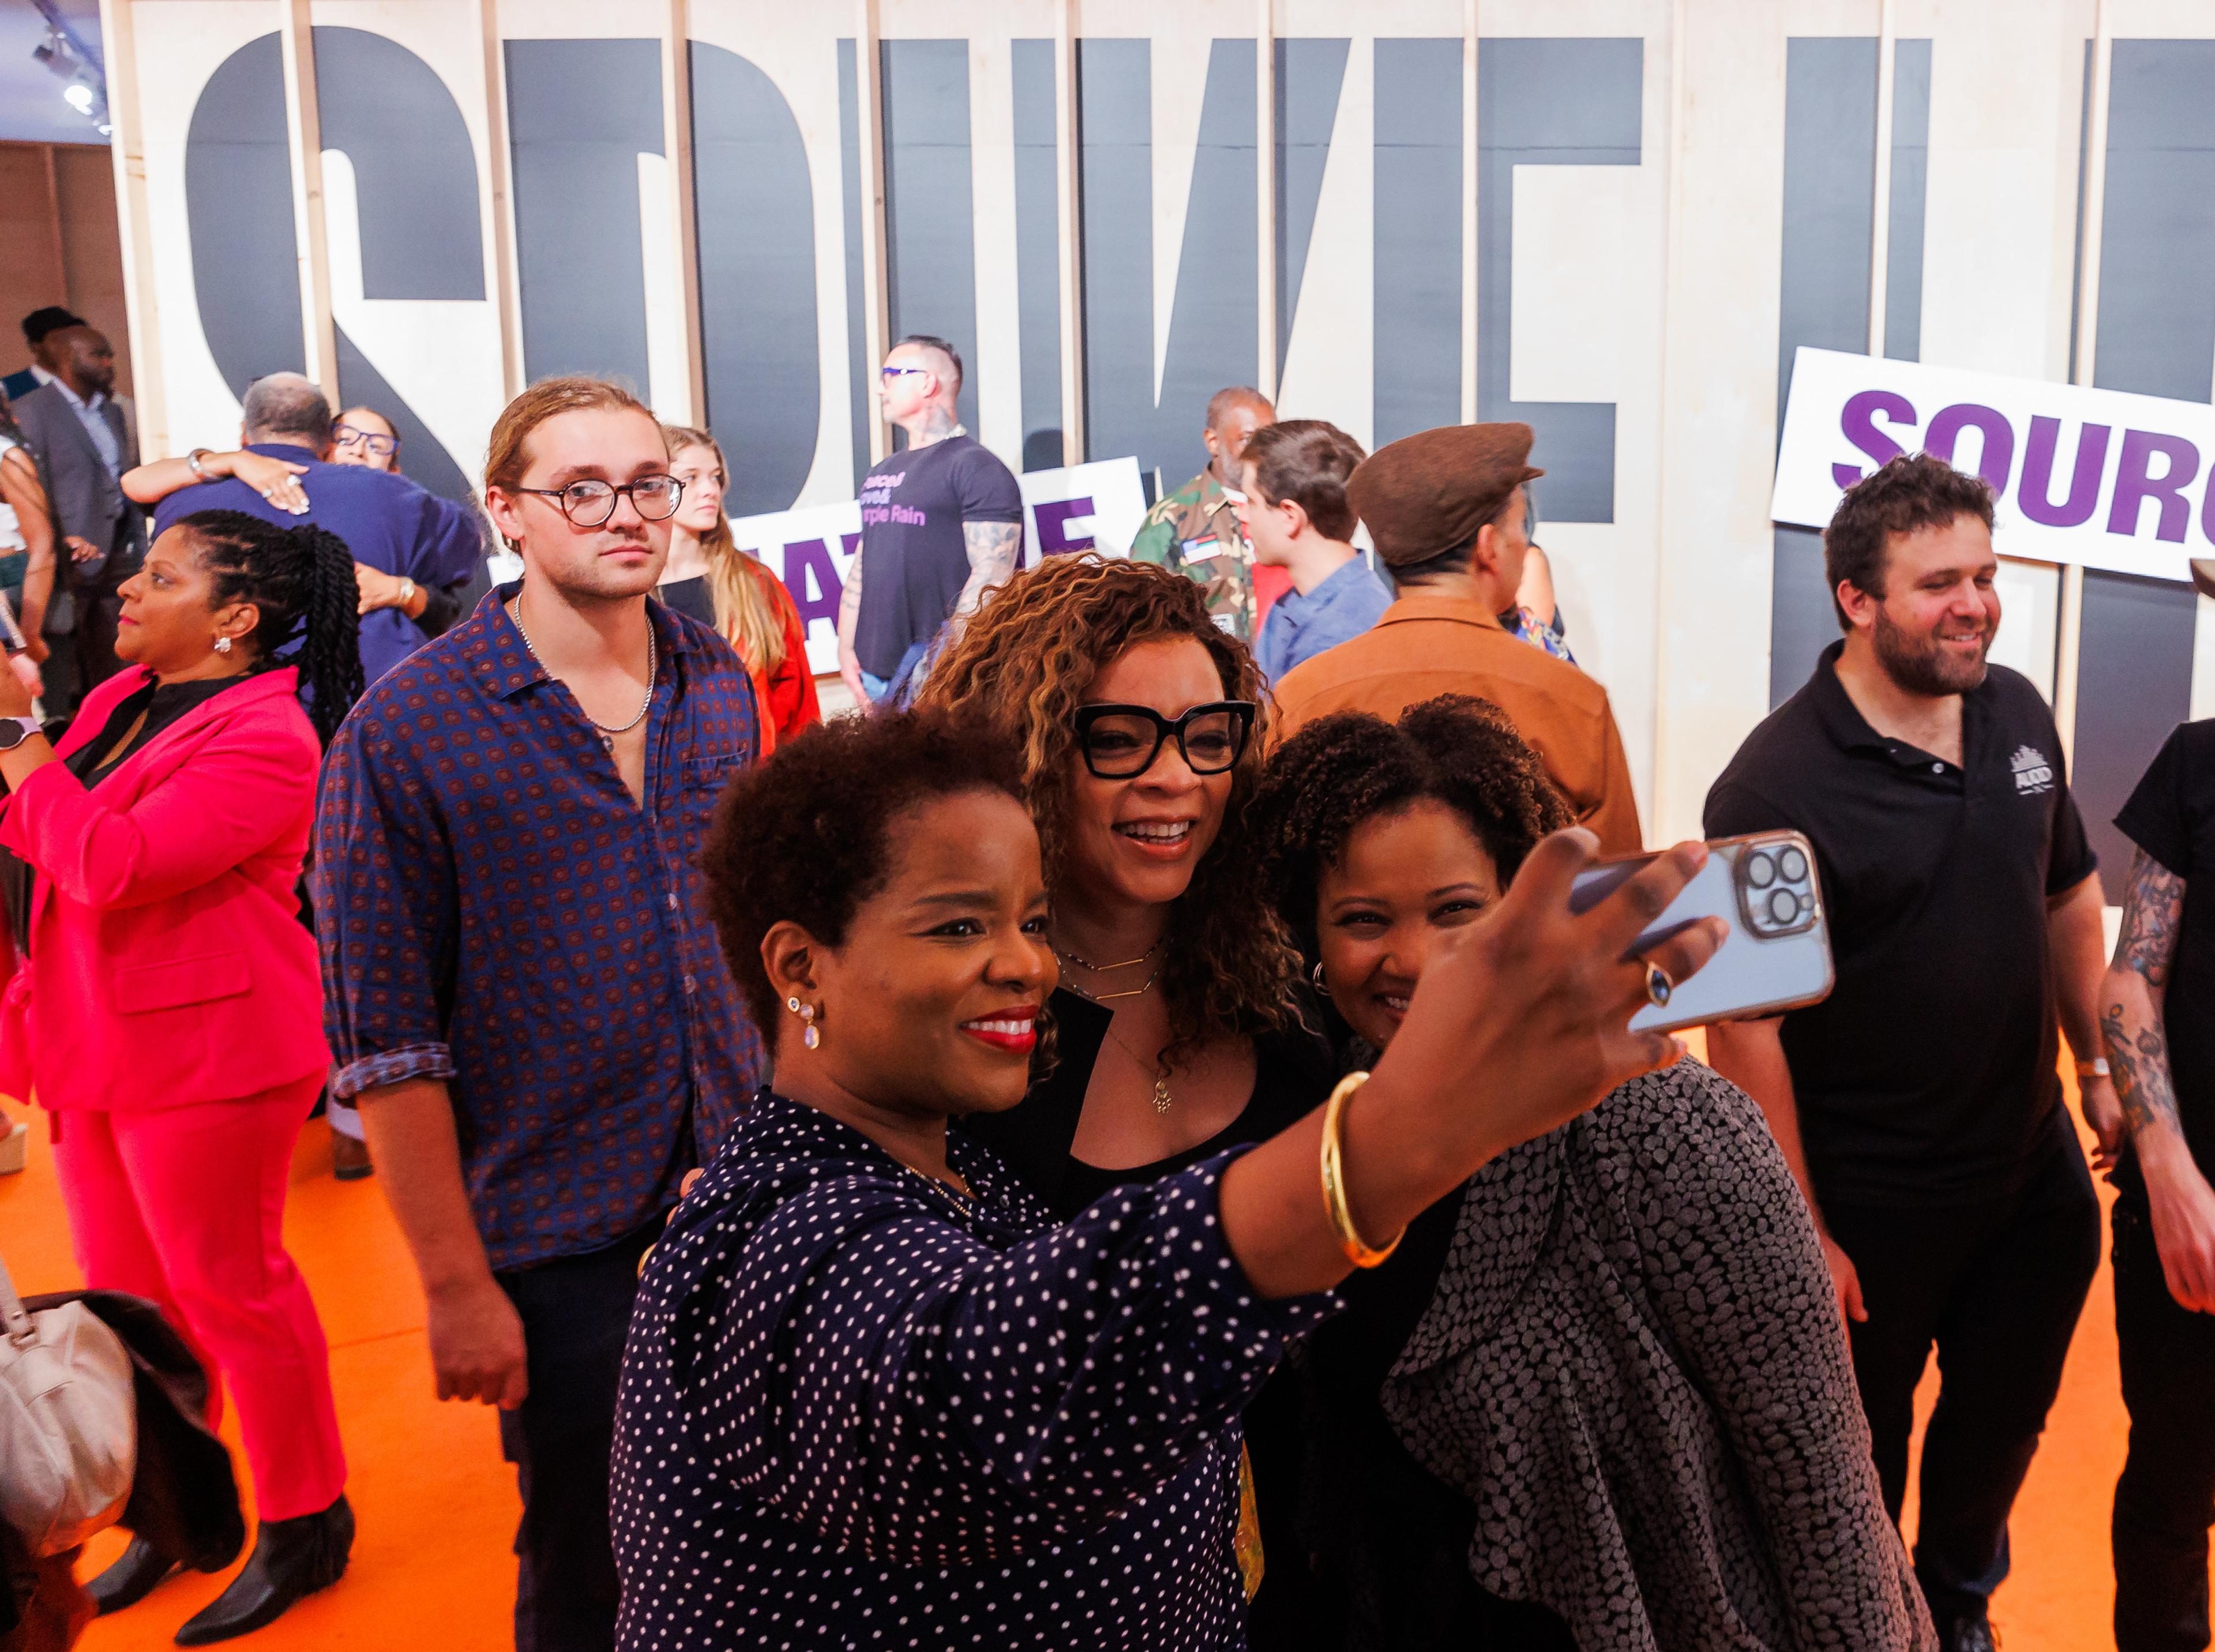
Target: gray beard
x: 1920, y: 665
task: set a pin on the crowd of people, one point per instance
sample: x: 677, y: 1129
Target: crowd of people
x: 1126, y: 1141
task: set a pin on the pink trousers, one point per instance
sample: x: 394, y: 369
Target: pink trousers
x: 185, y: 1206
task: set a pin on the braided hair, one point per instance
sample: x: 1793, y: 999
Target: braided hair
x: 302, y: 579
x: 1345, y: 769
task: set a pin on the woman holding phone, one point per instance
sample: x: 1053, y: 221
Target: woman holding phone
x: 1599, y: 1400
x: 873, y: 1396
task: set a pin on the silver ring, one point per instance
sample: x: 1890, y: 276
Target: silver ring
x: 1659, y: 986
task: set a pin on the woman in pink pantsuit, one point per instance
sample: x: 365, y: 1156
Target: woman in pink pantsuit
x: 168, y: 1010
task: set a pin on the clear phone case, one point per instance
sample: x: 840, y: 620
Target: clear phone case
x: 1766, y: 887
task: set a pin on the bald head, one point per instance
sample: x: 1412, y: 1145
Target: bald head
x: 1233, y: 415
x: 288, y: 409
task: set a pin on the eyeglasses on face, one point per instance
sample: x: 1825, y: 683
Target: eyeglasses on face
x: 1121, y: 742
x: 899, y: 372
x: 368, y: 441
x: 589, y: 503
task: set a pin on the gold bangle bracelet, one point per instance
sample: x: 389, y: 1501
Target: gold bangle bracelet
x: 1333, y: 1179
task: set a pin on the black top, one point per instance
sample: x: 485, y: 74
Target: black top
x: 97, y: 758
x: 2171, y: 816
x: 1928, y: 1074
x: 913, y: 505
x: 691, y: 597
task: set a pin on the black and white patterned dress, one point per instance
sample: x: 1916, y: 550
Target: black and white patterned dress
x: 858, y: 1410
x: 1632, y: 1365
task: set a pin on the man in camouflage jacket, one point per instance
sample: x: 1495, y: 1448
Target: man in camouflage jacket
x: 1194, y: 530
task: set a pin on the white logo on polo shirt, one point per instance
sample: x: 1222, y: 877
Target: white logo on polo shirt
x: 2032, y: 773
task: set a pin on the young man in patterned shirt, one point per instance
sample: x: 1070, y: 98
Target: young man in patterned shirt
x: 522, y: 990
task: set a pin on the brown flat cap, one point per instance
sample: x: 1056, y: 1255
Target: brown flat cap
x: 1431, y: 492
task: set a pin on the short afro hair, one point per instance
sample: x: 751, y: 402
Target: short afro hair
x: 1351, y: 767
x: 1907, y: 495
x: 806, y: 835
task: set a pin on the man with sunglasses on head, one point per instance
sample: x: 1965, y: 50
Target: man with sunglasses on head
x: 942, y: 524
x: 523, y: 989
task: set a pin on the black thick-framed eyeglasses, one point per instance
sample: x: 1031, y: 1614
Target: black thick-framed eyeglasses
x: 1120, y: 742
x: 590, y: 502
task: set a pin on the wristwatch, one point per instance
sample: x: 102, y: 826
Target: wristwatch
x: 2096, y: 1068
x: 14, y: 731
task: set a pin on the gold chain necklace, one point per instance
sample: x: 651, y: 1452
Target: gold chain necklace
x: 1137, y: 992
x: 1163, y: 1099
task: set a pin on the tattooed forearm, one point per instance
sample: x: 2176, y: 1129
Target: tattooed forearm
x: 992, y: 550
x: 2138, y: 1059
x: 850, y: 596
x: 2152, y: 908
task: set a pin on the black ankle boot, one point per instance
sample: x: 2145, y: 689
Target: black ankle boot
x: 290, y: 1559
x: 133, y: 1576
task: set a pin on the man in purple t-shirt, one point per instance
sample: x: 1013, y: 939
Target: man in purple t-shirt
x: 941, y: 523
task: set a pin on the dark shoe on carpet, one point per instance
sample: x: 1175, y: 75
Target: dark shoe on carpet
x: 291, y: 1559
x: 1970, y: 1635
x: 135, y: 1574
x: 350, y: 1159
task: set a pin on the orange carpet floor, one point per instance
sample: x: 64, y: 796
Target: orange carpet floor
x: 436, y: 1506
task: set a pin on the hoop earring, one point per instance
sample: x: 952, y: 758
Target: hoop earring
x: 222, y: 645
x: 1315, y: 978
x: 810, y: 1035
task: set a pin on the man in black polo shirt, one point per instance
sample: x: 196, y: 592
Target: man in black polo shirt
x: 2158, y: 1010
x: 1919, y: 1105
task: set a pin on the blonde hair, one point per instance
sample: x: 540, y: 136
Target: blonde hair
x: 506, y: 458
x: 747, y: 611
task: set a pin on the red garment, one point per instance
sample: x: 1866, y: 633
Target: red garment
x: 185, y: 1206
x: 169, y: 965
x: 786, y: 695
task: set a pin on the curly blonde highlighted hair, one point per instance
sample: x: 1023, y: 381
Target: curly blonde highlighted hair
x: 1026, y: 661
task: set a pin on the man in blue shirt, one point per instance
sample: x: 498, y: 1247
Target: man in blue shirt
x: 411, y: 549
x: 522, y: 985
x: 1294, y: 514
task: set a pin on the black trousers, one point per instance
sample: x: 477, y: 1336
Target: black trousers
x: 2165, y: 1501
x: 576, y: 1312
x: 1997, y: 1284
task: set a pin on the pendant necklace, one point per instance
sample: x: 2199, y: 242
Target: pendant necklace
x: 653, y: 663
x: 1163, y: 1099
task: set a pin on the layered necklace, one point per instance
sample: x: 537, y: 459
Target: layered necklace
x: 1163, y: 1100
x: 653, y: 665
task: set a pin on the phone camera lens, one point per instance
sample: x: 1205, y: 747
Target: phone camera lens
x: 1794, y: 865
x: 1760, y: 871
x: 1784, y: 907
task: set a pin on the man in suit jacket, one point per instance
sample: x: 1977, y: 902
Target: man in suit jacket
x: 39, y: 326
x: 84, y: 446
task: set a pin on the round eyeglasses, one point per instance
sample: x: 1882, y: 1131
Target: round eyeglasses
x: 1120, y: 742
x: 590, y: 502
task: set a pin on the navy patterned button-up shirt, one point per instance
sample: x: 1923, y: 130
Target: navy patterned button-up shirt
x: 496, y: 912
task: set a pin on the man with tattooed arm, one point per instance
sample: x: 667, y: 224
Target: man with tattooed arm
x: 942, y: 525
x: 2158, y: 1014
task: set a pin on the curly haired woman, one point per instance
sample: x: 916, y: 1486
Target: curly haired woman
x: 1600, y: 1401
x: 1178, y: 1022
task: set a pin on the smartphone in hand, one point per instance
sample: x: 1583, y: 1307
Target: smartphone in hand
x: 1778, y: 957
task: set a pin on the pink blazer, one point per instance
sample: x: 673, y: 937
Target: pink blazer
x: 167, y: 962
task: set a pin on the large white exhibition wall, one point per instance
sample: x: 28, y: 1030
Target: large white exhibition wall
x: 1621, y: 233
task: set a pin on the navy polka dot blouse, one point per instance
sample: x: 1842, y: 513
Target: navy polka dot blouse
x: 861, y: 1410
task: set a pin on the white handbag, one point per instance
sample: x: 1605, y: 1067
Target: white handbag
x: 69, y: 1423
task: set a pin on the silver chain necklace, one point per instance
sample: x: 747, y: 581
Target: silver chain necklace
x: 653, y: 663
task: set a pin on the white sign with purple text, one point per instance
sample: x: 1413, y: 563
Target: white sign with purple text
x: 2103, y: 478
x: 1096, y: 506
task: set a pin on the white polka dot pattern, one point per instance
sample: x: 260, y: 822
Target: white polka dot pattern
x: 858, y: 1410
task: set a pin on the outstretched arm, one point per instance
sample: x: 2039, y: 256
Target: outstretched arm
x: 2131, y: 1001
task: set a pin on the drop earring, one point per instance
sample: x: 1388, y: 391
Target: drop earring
x: 810, y: 1035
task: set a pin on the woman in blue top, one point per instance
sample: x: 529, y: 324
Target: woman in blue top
x: 872, y: 1396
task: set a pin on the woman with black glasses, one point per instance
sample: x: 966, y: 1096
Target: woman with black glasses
x: 1178, y: 1021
